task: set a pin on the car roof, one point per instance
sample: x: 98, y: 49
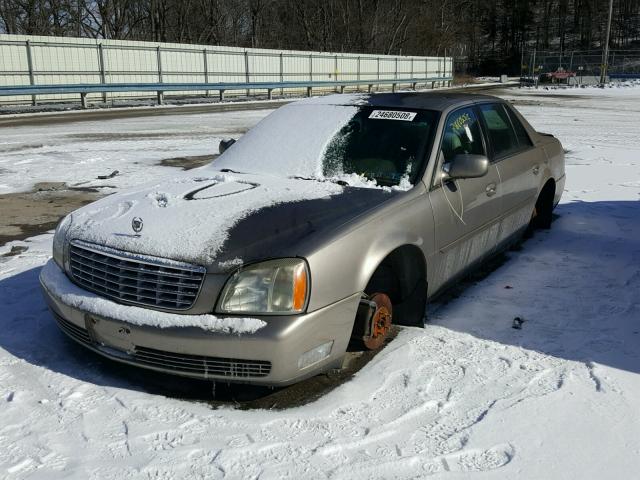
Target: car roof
x: 438, y: 101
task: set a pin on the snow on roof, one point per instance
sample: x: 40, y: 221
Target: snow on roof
x: 63, y: 289
x: 336, y: 99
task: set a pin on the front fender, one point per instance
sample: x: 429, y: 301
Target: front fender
x: 344, y: 265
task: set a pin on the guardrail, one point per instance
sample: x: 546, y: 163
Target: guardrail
x: 160, y: 88
x: 50, y: 68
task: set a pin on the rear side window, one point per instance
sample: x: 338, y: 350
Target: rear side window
x: 500, y: 131
x: 462, y: 134
x: 521, y: 132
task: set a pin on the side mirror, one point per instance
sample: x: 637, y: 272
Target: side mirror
x: 466, y: 165
x: 225, y: 143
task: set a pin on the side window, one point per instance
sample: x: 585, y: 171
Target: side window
x: 462, y: 134
x: 521, y: 132
x: 501, y: 134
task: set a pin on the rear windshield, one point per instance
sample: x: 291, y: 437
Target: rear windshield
x: 382, y: 145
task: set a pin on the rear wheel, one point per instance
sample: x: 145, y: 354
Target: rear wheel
x: 543, y: 210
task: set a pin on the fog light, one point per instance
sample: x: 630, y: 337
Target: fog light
x: 315, y: 355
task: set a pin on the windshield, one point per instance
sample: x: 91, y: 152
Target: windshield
x: 335, y: 142
x: 387, y: 146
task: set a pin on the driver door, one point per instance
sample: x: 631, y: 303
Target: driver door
x: 466, y: 211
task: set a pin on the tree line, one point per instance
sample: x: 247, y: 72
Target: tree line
x: 487, y: 36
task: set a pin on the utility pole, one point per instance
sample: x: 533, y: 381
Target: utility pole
x: 605, y: 53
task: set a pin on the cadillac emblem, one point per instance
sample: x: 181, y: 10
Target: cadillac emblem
x: 137, y: 224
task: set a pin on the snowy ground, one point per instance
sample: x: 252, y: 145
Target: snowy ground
x: 467, y: 397
x: 79, y: 152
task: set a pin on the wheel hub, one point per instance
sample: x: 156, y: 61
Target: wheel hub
x: 380, y: 322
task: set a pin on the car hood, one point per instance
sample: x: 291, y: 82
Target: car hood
x: 221, y: 220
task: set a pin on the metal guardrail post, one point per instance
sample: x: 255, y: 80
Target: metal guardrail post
x: 393, y: 85
x: 444, y: 70
x: 159, y: 59
x: 335, y: 70
x: 414, y: 84
x: 448, y: 83
x: 206, y: 69
x: 32, y: 80
x: 281, y: 73
x: 246, y: 70
x: 103, y: 75
x: 426, y: 69
x: 309, y: 93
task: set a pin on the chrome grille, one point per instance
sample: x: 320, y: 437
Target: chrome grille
x: 128, y: 279
x: 200, y: 365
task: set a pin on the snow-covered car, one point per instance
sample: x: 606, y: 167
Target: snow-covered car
x: 330, y: 220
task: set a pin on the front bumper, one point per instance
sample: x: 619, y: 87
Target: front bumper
x: 268, y: 356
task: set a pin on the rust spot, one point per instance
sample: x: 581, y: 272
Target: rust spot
x: 380, y: 323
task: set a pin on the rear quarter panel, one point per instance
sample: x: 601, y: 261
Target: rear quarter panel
x: 552, y: 156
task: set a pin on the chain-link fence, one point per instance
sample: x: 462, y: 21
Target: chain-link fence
x: 576, y: 67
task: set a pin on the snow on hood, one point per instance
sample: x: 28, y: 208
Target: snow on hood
x: 61, y: 287
x: 187, y: 218
x: 303, y: 132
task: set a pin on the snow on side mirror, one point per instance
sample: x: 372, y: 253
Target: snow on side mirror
x: 225, y: 143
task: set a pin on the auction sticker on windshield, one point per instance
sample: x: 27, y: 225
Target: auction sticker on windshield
x: 393, y: 115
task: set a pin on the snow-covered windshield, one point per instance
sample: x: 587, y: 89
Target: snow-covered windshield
x: 336, y: 142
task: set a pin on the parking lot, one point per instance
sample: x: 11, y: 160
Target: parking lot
x: 468, y: 393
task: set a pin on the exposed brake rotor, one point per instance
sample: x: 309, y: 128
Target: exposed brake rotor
x: 379, y: 323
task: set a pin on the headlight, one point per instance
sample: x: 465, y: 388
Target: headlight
x: 273, y: 287
x: 59, y: 240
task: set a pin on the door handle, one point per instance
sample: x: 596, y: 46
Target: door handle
x: 536, y: 169
x: 490, y: 190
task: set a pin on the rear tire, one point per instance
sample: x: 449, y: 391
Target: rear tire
x: 542, y: 214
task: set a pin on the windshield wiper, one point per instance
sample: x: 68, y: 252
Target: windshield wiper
x: 298, y: 177
x: 314, y: 179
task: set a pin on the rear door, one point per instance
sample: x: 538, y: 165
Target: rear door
x: 465, y: 211
x: 517, y: 161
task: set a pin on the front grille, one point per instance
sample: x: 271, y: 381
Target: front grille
x: 202, y: 366
x: 125, y: 277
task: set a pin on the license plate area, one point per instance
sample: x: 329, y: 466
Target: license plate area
x: 110, y: 334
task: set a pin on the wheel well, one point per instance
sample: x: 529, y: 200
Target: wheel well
x: 402, y: 275
x: 544, y: 205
